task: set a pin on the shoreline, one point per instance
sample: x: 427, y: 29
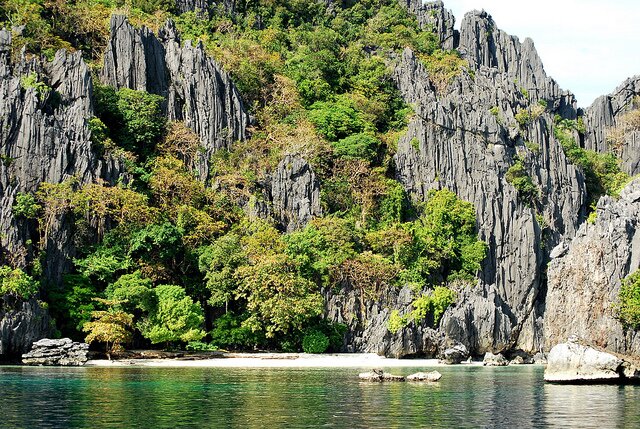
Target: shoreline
x: 278, y: 360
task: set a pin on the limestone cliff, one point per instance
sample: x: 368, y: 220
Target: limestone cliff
x: 607, y: 126
x: 585, y: 277
x: 197, y: 91
x: 44, y: 137
x: 466, y: 138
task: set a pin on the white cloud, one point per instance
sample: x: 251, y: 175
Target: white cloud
x: 588, y: 46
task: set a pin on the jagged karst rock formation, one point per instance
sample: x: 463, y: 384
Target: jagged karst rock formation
x: 295, y: 193
x: 586, y: 276
x: 197, y: 91
x: 465, y: 140
x: 44, y: 137
x: 605, y: 114
x: 63, y: 352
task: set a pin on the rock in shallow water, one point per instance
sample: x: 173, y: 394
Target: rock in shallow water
x: 425, y: 376
x: 573, y: 362
x: 62, y: 352
x: 379, y: 375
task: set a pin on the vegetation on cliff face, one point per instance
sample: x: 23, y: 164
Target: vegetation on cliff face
x: 166, y: 258
x: 628, y: 306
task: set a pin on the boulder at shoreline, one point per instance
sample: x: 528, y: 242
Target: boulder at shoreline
x: 575, y: 362
x: 63, y: 352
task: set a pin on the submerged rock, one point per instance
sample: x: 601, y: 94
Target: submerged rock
x: 576, y: 362
x: 425, y: 376
x: 495, y: 360
x: 63, y: 352
x: 379, y: 375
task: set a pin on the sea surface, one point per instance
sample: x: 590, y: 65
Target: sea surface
x: 466, y: 397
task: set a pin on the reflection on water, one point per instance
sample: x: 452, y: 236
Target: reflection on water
x: 466, y: 397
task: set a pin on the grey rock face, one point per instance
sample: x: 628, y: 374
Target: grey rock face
x: 197, y: 91
x: 295, y: 193
x: 586, y: 280
x: 62, y: 352
x: 575, y: 362
x: 432, y: 16
x: 21, y: 323
x: 465, y: 140
x: 367, y: 323
x: 604, y: 114
x: 495, y: 360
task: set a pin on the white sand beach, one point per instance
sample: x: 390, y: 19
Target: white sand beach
x: 277, y: 360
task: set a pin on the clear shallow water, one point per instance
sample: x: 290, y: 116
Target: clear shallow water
x: 466, y: 397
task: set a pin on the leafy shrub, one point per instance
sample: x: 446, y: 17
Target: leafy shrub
x: 26, y: 206
x: 315, y: 341
x: 134, y: 118
x: 229, y: 332
x: 72, y: 305
x: 523, y: 117
x: 199, y: 346
x: 175, y: 318
x: 628, y: 306
x: 518, y: 177
x: 16, y: 282
x: 603, y: 175
x: 435, y: 303
x: 396, y: 322
x: 31, y: 81
x: 336, y: 120
x: 357, y: 146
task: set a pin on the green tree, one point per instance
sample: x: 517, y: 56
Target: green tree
x: 219, y: 262
x: 111, y: 326
x: 175, y: 318
x: 279, y: 299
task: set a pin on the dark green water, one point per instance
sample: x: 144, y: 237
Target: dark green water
x: 466, y: 397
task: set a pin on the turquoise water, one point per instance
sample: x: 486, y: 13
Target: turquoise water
x: 466, y: 397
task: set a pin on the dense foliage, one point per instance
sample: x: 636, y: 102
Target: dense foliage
x: 169, y: 259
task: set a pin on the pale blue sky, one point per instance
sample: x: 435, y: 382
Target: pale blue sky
x: 588, y: 46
